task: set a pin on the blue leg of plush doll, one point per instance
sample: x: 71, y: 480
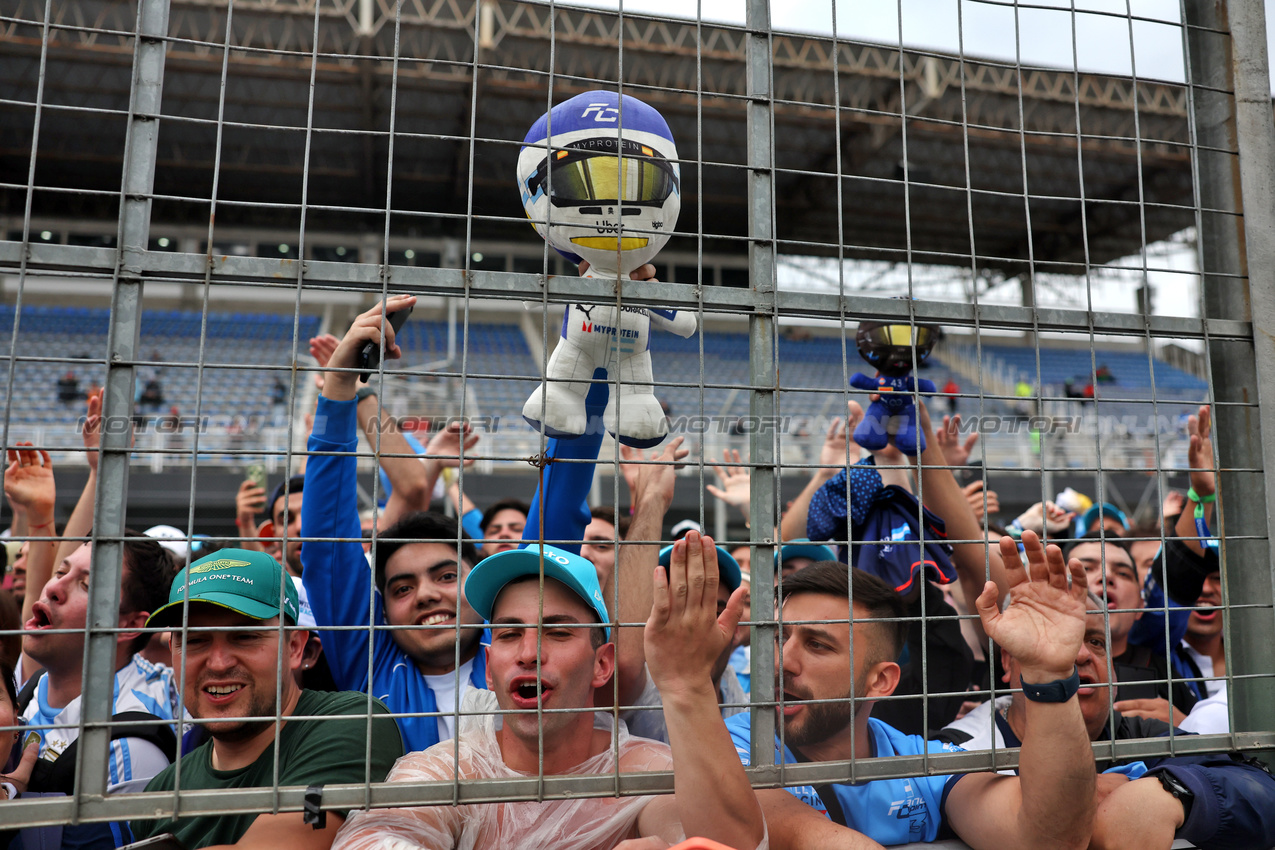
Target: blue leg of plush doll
x: 567, y: 485
x: 909, y: 438
x: 871, y: 433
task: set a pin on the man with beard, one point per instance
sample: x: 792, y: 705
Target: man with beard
x: 820, y: 658
x: 228, y: 643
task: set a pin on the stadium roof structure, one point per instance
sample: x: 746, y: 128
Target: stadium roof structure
x: 461, y: 82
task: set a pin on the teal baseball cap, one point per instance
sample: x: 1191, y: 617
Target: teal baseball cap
x: 1102, y: 509
x: 240, y: 580
x: 727, y: 566
x: 486, y: 580
x: 802, y: 547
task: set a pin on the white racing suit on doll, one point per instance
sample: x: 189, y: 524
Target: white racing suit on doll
x: 617, y: 340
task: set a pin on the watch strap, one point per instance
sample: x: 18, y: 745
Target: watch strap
x: 1183, y: 794
x: 1059, y: 690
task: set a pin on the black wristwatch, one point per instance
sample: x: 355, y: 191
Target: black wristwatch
x: 363, y: 392
x: 1175, y: 787
x: 1059, y: 690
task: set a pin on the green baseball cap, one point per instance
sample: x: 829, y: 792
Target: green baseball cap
x: 243, y: 581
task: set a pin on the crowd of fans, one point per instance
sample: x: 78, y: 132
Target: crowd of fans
x: 542, y: 637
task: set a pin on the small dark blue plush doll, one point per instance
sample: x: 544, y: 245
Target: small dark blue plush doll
x: 892, y: 417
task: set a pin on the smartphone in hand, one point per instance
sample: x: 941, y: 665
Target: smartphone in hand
x: 256, y: 473
x: 370, y: 355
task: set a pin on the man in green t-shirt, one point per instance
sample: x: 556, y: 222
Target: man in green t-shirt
x: 230, y: 655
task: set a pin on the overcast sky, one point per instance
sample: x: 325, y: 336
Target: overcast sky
x: 1105, y: 38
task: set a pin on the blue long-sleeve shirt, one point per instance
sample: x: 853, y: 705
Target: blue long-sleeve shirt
x: 339, y: 583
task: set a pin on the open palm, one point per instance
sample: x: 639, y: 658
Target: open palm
x: 1044, y: 624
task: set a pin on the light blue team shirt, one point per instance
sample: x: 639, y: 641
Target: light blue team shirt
x: 889, y: 811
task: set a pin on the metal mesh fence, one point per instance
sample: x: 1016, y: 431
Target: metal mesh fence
x: 193, y: 191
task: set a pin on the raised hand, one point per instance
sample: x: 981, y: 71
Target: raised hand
x: 249, y: 501
x: 643, y: 272
x: 657, y: 479
x: 1044, y: 624
x: 1158, y: 708
x: 840, y: 433
x: 368, y: 327
x: 974, y: 495
x: 948, y: 436
x: 1045, y: 515
x: 321, y: 349
x: 684, y: 635
x: 28, y: 482
x: 1200, y: 453
x: 92, y: 431
x: 736, y: 481
x: 1174, y: 503
x: 629, y: 467
x: 445, y: 446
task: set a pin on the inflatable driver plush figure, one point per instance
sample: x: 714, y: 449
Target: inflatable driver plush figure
x: 892, y: 417
x: 600, y: 181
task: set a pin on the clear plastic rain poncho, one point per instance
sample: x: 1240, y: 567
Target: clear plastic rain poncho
x: 597, y: 823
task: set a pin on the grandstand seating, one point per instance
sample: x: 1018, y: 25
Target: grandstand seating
x: 808, y: 369
x: 1131, y: 371
x: 494, y: 349
x: 167, y: 337
x: 239, y: 349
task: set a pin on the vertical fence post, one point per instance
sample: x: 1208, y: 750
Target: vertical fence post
x: 1254, y: 628
x: 1231, y: 108
x: 762, y: 371
x: 111, y: 499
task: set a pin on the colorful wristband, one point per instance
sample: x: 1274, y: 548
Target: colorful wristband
x: 1198, y: 499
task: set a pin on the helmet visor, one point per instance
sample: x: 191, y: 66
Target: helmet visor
x: 575, y: 177
x: 919, y: 336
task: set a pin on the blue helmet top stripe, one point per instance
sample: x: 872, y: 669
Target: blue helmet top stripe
x: 599, y: 110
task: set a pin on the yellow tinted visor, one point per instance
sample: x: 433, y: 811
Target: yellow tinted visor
x: 902, y: 335
x: 610, y: 178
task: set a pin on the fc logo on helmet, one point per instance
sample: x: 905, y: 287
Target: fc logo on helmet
x: 602, y: 113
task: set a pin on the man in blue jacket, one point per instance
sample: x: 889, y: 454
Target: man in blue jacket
x: 424, y: 667
x: 418, y: 571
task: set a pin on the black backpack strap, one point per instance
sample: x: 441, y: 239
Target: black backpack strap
x: 156, y: 731
x: 59, y: 776
x: 28, y: 691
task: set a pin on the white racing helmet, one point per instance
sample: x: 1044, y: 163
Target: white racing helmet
x: 600, y: 180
